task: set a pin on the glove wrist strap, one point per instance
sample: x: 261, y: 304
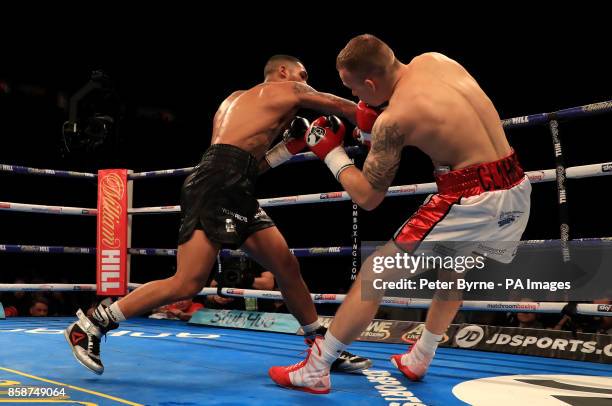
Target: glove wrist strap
x: 337, y: 161
x: 277, y: 155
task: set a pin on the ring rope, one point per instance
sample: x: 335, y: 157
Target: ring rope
x: 331, y: 298
x: 514, y: 122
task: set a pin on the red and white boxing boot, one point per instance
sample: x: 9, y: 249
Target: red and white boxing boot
x: 413, y: 364
x: 310, y: 375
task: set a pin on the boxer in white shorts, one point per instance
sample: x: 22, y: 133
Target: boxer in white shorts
x: 483, y: 194
x: 480, y: 204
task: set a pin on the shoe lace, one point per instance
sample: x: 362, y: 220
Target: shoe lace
x: 311, y: 339
x: 301, y: 363
x: 94, y: 345
x: 347, y: 355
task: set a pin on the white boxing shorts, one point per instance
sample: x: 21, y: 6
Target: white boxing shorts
x: 485, y: 205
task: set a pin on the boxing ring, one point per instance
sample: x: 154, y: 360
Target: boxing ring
x: 173, y: 363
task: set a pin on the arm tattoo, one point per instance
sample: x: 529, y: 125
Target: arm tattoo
x: 384, y: 157
x: 325, y: 102
x: 301, y: 88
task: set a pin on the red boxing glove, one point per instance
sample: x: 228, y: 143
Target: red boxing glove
x: 366, y: 117
x: 294, y: 135
x: 325, y: 134
x: 292, y: 143
x: 325, y: 137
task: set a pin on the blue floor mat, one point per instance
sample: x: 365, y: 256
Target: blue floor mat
x: 171, y: 363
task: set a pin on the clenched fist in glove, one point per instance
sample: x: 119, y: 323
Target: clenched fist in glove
x: 325, y: 138
x: 292, y: 143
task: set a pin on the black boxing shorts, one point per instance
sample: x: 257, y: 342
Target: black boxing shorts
x: 219, y: 198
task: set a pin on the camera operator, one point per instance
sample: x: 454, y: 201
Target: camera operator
x: 241, y: 273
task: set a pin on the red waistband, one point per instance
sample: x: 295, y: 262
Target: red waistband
x: 476, y: 179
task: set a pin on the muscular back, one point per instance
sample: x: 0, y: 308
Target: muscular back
x: 453, y: 120
x: 251, y: 119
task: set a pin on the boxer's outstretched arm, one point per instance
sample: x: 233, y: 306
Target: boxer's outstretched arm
x: 309, y: 98
x: 368, y: 188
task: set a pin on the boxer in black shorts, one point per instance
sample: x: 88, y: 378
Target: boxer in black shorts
x: 219, y: 208
x: 219, y: 198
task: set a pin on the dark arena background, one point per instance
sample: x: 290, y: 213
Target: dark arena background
x: 152, y: 83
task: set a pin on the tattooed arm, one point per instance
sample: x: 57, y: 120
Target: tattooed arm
x: 288, y: 97
x: 309, y: 98
x: 368, y: 188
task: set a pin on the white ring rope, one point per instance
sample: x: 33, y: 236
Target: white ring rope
x: 548, y: 175
x: 468, y: 305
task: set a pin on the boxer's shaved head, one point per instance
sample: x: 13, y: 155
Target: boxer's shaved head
x: 366, y: 55
x: 285, y: 67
